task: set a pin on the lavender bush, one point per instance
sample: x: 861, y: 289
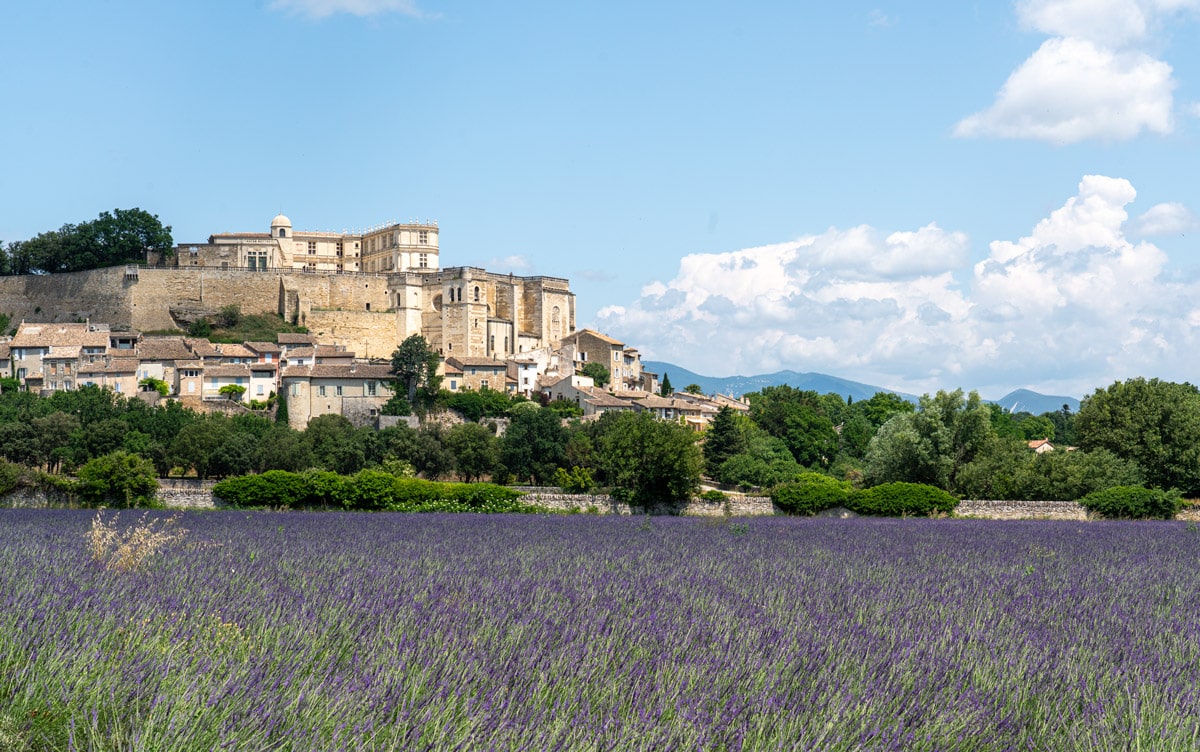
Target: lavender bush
x: 331, y: 631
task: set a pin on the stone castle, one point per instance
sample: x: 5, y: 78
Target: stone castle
x: 367, y: 291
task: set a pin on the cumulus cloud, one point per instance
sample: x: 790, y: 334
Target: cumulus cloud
x: 1071, y: 306
x: 1167, y: 219
x: 1091, y: 80
x: 319, y: 9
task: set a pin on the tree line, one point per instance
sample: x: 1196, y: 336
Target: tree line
x: 122, y: 236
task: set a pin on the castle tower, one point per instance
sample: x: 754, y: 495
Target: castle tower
x: 281, y: 232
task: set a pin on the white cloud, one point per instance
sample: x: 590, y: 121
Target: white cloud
x: 1071, y: 90
x: 1075, y: 304
x: 1091, y: 79
x: 1167, y: 219
x: 319, y: 9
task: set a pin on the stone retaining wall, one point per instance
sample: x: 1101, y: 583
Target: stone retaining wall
x: 189, y: 493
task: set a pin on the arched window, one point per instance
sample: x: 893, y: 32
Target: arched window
x: 476, y: 293
x: 282, y: 232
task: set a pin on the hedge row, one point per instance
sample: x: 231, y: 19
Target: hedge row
x: 1133, y: 502
x: 811, y: 493
x: 366, y: 490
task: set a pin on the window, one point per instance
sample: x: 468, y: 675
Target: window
x: 321, y: 390
x: 483, y: 384
x: 339, y: 248
x: 191, y: 387
x: 260, y: 390
x: 116, y: 386
x: 423, y: 237
x: 476, y: 293
x: 338, y: 390
x: 312, y: 247
x: 282, y: 232
x: 423, y: 261
x: 370, y: 388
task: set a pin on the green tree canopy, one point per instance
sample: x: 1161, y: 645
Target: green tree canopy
x: 647, y: 461
x: 598, y: 372
x: 932, y: 444
x: 534, y: 445
x: 1154, y: 423
x: 118, y: 237
x: 415, y: 365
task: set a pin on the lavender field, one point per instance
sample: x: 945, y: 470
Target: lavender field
x: 350, y: 631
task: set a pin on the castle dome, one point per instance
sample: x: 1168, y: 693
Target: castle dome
x: 281, y: 221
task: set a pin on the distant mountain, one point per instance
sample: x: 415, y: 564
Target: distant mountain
x: 1023, y: 400
x: 739, y: 385
x: 1020, y: 400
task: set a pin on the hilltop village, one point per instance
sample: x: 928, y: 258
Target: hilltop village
x: 358, y: 295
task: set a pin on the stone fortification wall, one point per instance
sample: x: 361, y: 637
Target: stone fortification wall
x: 368, y: 334
x: 101, y: 295
x: 145, y: 302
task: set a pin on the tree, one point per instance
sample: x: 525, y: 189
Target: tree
x: 693, y: 389
x: 232, y: 392
x: 1154, y: 423
x: 196, y: 443
x: 598, y: 372
x: 334, y: 445
x: 152, y: 384
x: 476, y: 450
x: 646, y: 461
x: 724, y: 439
x: 798, y: 418
x: 122, y: 236
x: 119, y: 479
x: 664, y: 389
x: 534, y: 445
x: 931, y: 445
x: 415, y: 365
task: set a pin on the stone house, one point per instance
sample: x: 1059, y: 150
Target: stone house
x: 33, y: 341
x: 480, y: 373
x: 356, y: 391
x: 218, y: 376
x: 117, y: 374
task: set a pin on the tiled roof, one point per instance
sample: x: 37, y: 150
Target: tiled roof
x: 49, y: 335
x: 289, y: 338
x: 263, y: 366
x: 596, y: 335
x: 301, y: 352
x: 64, y: 351
x: 234, y: 351
x: 352, y: 371
x: 227, y: 370
x: 471, y: 362
x: 164, y: 348
x: 264, y: 347
x: 332, y: 351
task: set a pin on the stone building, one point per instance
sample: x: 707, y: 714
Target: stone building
x: 390, y: 285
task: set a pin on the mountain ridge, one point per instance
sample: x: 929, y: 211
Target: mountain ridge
x: 1017, y: 400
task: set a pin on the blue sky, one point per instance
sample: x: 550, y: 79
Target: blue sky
x: 921, y: 196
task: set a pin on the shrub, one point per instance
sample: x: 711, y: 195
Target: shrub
x: 902, y: 499
x: 10, y: 476
x: 118, y: 479
x: 713, y: 495
x: 274, y: 488
x: 810, y: 493
x: 578, y: 480
x: 1133, y: 502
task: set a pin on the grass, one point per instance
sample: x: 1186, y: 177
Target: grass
x: 307, y: 631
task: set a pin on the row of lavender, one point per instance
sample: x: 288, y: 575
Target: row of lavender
x: 341, y: 631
